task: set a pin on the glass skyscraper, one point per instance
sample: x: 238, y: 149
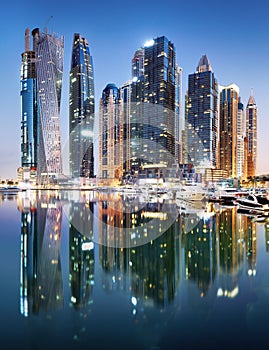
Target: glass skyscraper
x: 81, y: 110
x: 251, y: 136
x: 241, y: 132
x: 29, y: 116
x: 229, y: 97
x: 41, y: 86
x: 159, y: 101
x: 201, y: 117
x: 178, y: 115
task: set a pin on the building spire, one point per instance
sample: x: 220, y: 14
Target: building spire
x: 204, y: 65
x: 251, y: 100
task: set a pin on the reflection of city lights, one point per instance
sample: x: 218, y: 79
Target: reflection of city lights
x: 87, y: 246
x: 251, y: 272
x: 228, y: 294
x: 134, y: 301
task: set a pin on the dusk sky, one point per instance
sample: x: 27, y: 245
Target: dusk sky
x: 233, y: 34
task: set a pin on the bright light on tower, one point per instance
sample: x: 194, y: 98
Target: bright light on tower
x: 149, y: 43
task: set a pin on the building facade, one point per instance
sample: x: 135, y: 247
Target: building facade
x: 201, y: 117
x: 41, y: 80
x: 241, y: 132
x: 110, y: 134
x: 29, y: 113
x: 178, y: 115
x: 159, y: 101
x: 251, y: 137
x: 229, y: 97
x: 81, y: 110
x: 138, y: 63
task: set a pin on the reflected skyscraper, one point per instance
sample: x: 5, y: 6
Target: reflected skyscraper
x: 81, y: 110
x: 41, y: 278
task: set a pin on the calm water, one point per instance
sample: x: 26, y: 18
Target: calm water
x: 98, y: 271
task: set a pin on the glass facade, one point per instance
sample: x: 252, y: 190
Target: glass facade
x: 49, y: 51
x: 110, y: 134
x: 241, y: 132
x: 81, y: 110
x: 29, y: 120
x: 201, y: 117
x: 251, y: 136
x: 159, y: 102
x: 229, y: 96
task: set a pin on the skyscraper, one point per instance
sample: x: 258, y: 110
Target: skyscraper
x: 229, y: 96
x: 138, y: 63
x: 178, y: 114
x: 110, y: 134
x: 29, y: 116
x: 251, y: 136
x: 49, y: 50
x: 201, y: 117
x: 81, y: 110
x: 159, y: 101
x: 241, y: 132
x: 41, y: 80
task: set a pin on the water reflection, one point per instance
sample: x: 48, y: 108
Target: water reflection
x: 209, y: 249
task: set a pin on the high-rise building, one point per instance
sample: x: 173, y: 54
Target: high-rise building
x: 125, y: 92
x: 251, y: 136
x: 138, y: 63
x: 201, y: 117
x: 29, y: 116
x: 110, y: 134
x: 229, y: 96
x: 178, y: 114
x: 41, y: 79
x: 240, y: 138
x: 159, y: 101
x: 81, y: 110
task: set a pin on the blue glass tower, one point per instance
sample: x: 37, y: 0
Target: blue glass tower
x: 81, y: 110
x: 29, y: 119
x: 159, y: 101
x: 201, y: 117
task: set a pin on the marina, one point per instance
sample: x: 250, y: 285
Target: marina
x: 94, y: 267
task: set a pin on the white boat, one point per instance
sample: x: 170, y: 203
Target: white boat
x: 253, y: 203
x: 191, y: 193
x: 227, y: 195
x: 10, y: 190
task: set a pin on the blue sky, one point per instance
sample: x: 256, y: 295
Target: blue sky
x: 233, y: 34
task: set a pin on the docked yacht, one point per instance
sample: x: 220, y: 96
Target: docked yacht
x: 253, y: 203
x: 191, y: 193
x: 10, y: 190
x: 227, y: 195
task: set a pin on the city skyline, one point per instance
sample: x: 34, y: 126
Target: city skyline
x: 242, y: 59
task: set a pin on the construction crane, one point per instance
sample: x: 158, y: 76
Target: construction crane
x: 46, y: 24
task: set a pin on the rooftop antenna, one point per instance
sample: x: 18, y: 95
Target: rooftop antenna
x: 46, y: 24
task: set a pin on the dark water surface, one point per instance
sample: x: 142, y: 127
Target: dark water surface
x: 88, y: 270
